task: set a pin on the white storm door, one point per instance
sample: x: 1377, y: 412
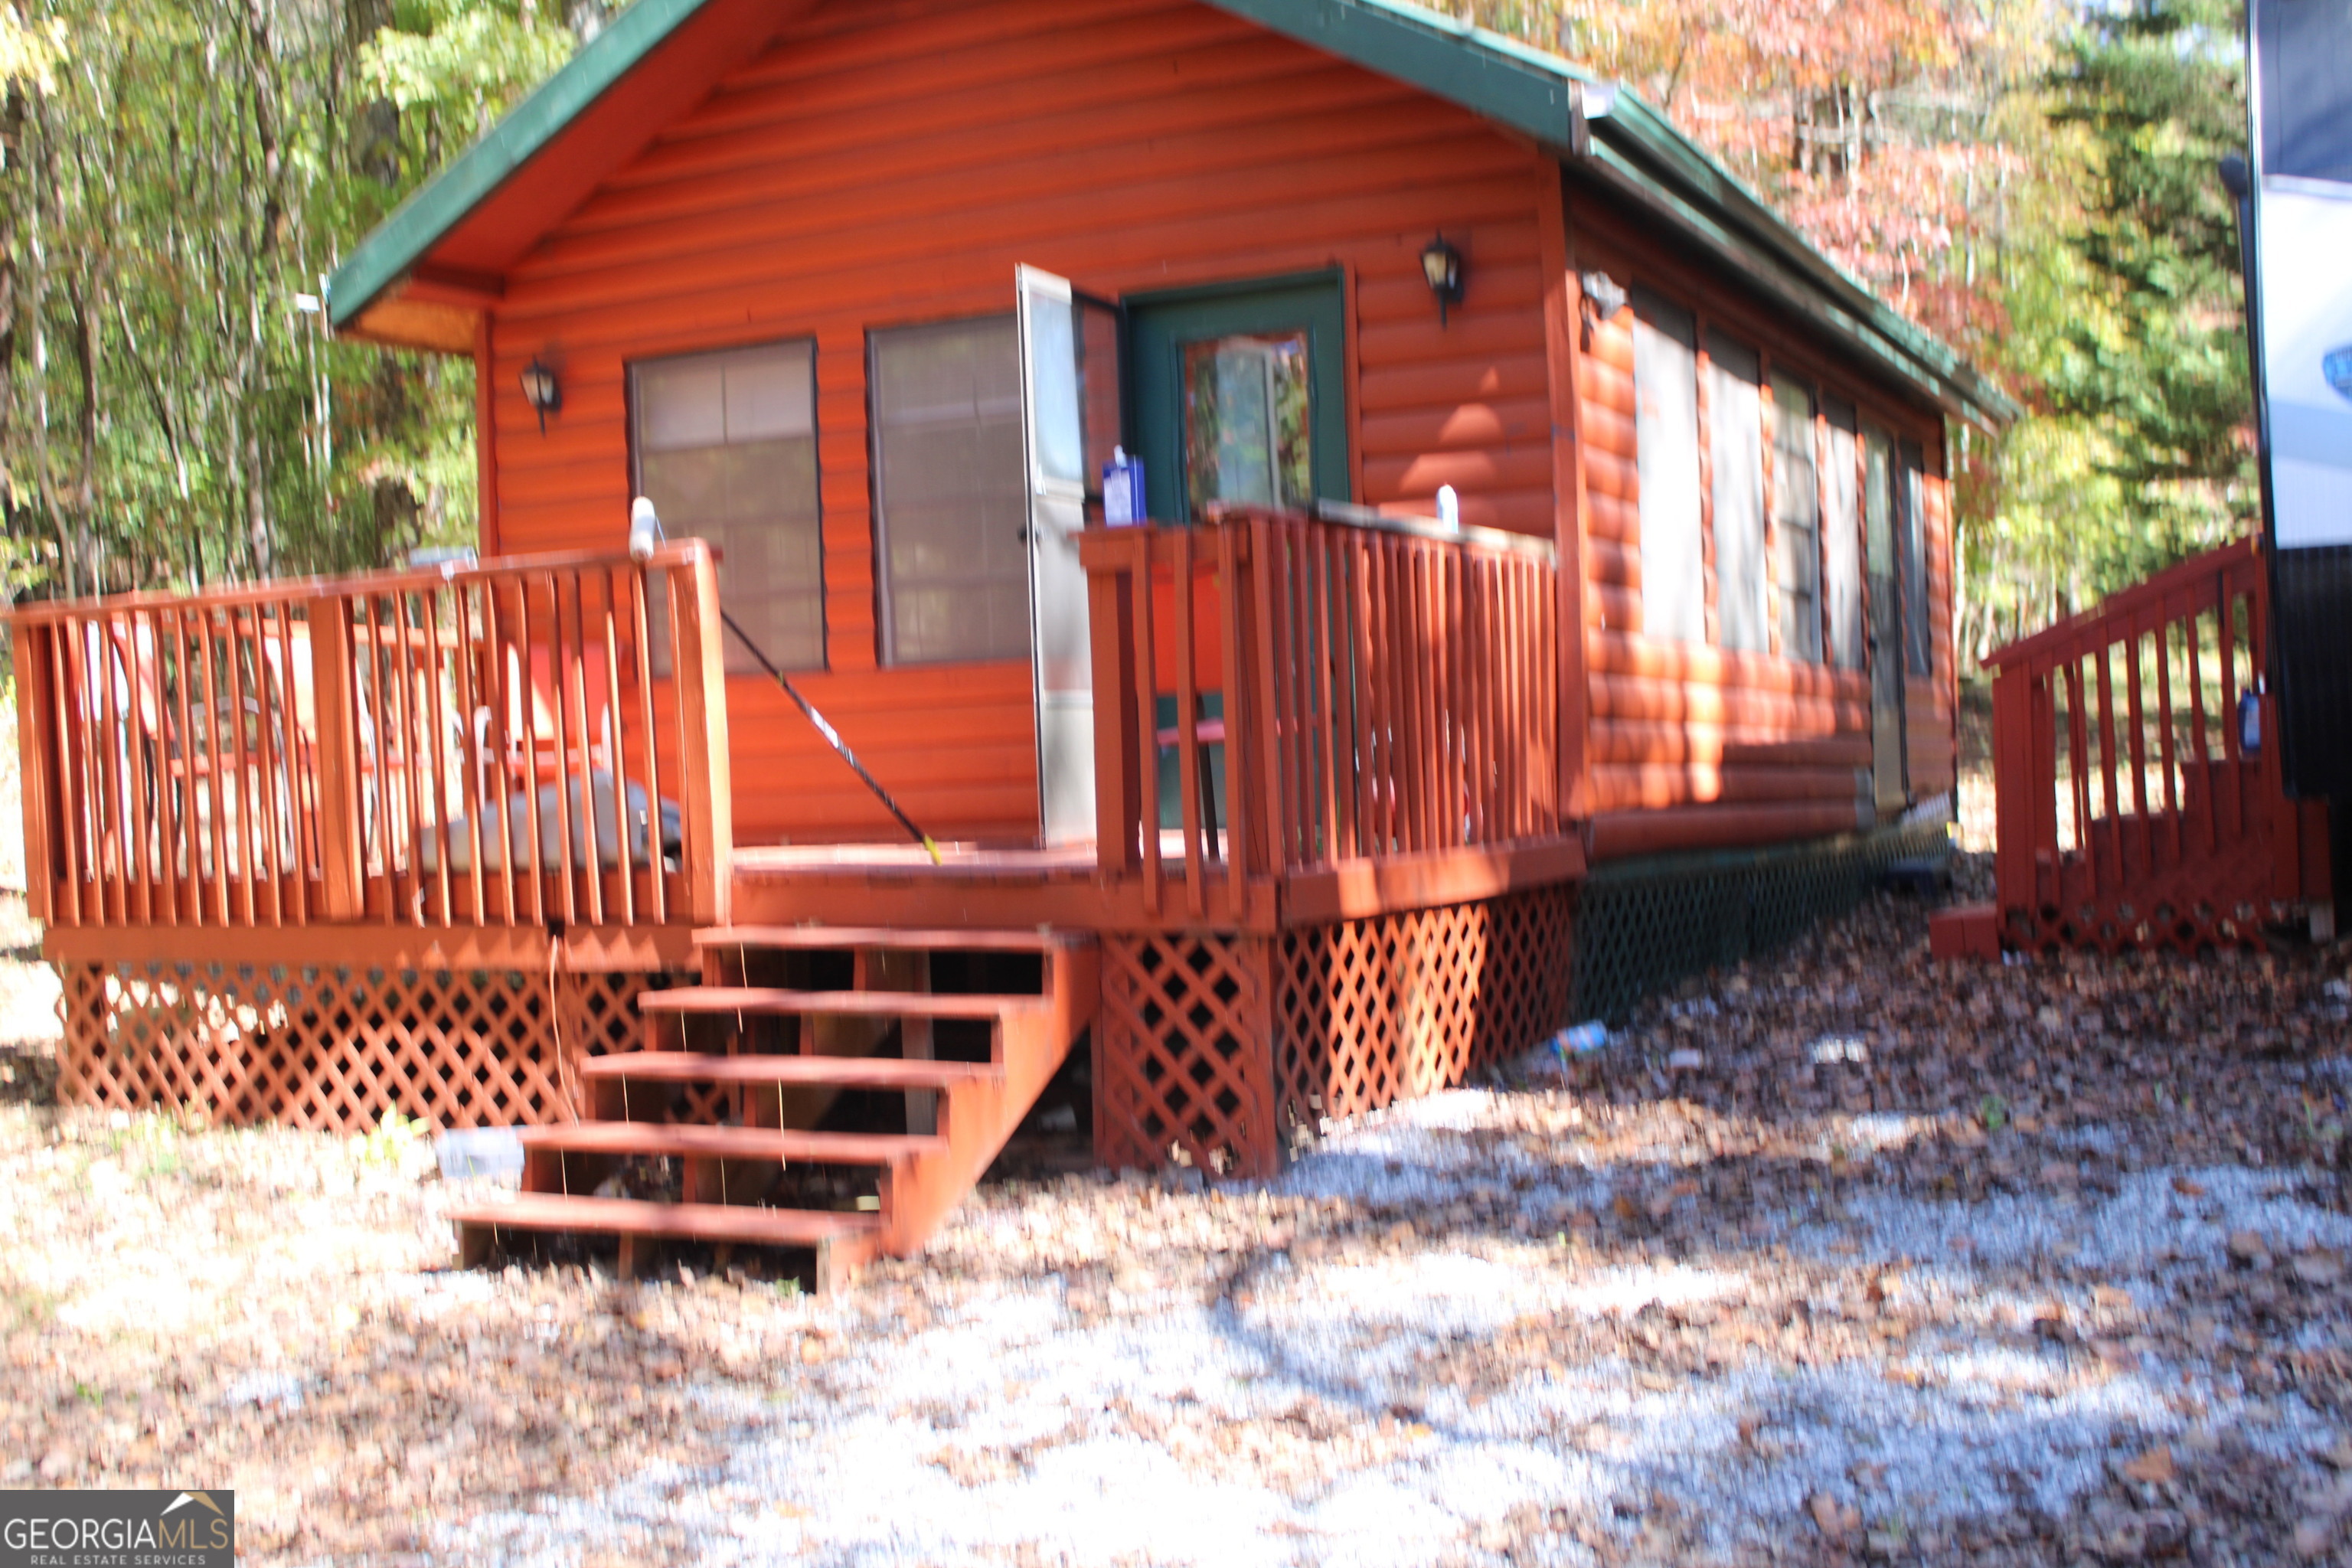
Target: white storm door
x: 1070, y: 418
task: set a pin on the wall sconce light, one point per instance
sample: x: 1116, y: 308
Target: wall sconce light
x: 1440, y: 264
x: 542, y: 390
x: 1603, y: 297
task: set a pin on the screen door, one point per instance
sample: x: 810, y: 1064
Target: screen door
x: 1070, y: 423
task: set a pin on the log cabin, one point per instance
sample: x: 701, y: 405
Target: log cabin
x: 1357, y: 540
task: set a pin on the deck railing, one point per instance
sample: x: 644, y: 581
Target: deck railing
x: 499, y: 745
x: 1379, y: 689
x: 2132, y: 810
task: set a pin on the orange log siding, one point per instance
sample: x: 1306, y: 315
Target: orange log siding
x: 884, y: 163
x: 1692, y: 746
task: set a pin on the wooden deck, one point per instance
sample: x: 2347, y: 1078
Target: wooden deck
x: 983, y: 889
x: 311, y: 850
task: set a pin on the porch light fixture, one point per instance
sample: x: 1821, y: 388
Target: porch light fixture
x: 1440, y: 264
x: 1603, y: 297
x: 1603, y: 293
x: 542, y: 390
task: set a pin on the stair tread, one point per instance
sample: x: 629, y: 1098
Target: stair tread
x: 688, y: 1222
x: 862, y: 1003
x: 703, y: 1139
x: 834, y: 937
x: 848, y: 1072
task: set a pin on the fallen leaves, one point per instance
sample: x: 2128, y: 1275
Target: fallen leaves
x: 1768, y: 1159
x: 1835, y: 1518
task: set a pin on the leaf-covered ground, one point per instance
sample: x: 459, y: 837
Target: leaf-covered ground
x: 1839, y: 1258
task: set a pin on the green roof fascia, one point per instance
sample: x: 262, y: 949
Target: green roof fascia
x: 1666, y: 156
x: 446, y: 200
x: 1950, y: 385
x: 1497, y: 76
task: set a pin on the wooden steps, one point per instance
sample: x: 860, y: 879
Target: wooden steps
x: 772, y: 1001
x: 703, y: 1140
x: 826, y: 1072
x: 738, y: 1121
x: 803, y: 939
x: 843, y: 1242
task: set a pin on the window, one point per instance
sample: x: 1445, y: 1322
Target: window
x: 1918, y: 641
x: 952, y: 507
x: 1247, y: 435
x: 1736, y: 443
x: 726, y: 449
x: 1842, y: 536
x: 1796, y: 520
x: 1665, y: 435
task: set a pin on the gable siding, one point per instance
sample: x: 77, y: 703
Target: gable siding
x: 884, y: 163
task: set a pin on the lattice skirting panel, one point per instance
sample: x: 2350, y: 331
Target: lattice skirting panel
x: 1374, y: 1011
x: 1184, y: 1064
x: 334, y: 1049
x: 1645, y: 925
x: 1228, y: 1051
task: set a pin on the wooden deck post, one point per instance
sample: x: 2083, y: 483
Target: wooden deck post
x: 37, y: 762
x: 2013, y: 765
x: 701, y: 670
x: 335, y: 693
x: 1111, y: 586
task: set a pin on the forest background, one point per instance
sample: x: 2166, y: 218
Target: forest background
x: 2034, y: 179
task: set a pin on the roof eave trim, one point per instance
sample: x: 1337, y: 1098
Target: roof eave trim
x: 1497, y: 77
x: 1546, y: 98
x: 446, y: 200
x: 1723, y: 212
x: 1767, y: 271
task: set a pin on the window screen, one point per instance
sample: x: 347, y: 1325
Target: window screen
x: 1736, y: 442
x: 1842, y: 535
x: 1796, y: 520
x: 1665, y: 433
x: 726, y: 448
x: 952, y: 507
x: 1918, y: 641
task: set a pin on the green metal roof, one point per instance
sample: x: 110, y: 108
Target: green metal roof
x: 1629, y: 145
x: 1602, y: 130
x: 438, y: 205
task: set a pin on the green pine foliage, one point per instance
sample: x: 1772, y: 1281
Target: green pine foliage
x: 2162, y: 360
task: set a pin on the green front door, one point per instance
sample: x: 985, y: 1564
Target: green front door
x: 1241, y: 395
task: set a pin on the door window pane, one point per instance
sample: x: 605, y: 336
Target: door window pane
x: 951, y: 503
x: 1248, y: 430
x: 1842, y: 536
x: 1666, y: 435
x: 726, y: 449
x: 1796, y: 520
x: 1736, y: 443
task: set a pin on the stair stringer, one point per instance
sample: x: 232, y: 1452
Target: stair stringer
x: 977, y: 1120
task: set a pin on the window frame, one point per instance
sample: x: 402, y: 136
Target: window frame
x: 1786, y: 596
x: 1777, y: 353
x: 885, y: 653
x: 1695, y: 615
x: 632, y: 411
